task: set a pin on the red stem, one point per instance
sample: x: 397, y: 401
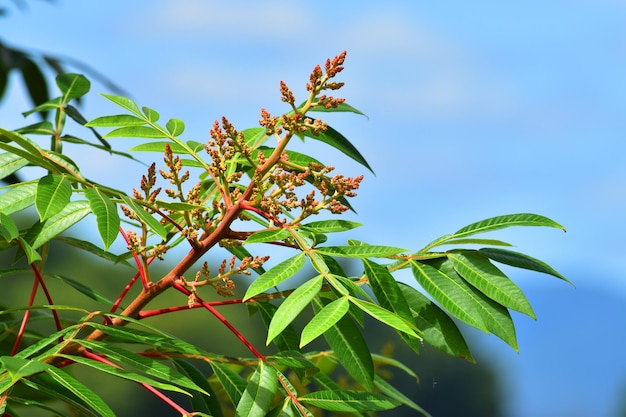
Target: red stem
x: 142, y: 272
x: 221, y: 318
x: 127, y: 288
x: 153, y: 390
x: 38, y: 281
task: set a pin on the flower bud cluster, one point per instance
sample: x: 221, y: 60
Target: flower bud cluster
x: 222, y: 282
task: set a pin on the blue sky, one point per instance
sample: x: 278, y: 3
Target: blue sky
x: 475, y: 109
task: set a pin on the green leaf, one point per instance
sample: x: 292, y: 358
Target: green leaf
x: 8, y: 229
x: 293, y: 305
x: 53, y: 194
x: 276, y: 275
x: 475, y: 241
x: 390, y: 297
x: 80, y: 390
x: 438, y: 329
x: 151, y: 114
x: 324, y: 319
x: 83, y: 289
x: 486, y: 277
x: 509, y: 220
x: 363, y: 251
x: 91, y: 248
x: 208, y: 404
x: 387, y: 317
x: 45, y: 385
x: 53, y: 104
x: 293, y: 359
x: 18, y: 198
x: 348, y: 401
x: 519, y: 260
x: 19, y: 368
x: 39, y: 128
x: 141, y: 132
x: 233, y: 383
x: 31, y: 254
x: 335, y: 139
x: 330, y: 226
x: 32, y: 148
x: 124, y: 102
x: 10, y: 163
x: 160, y: 147
x: 107, y: 218
x: 74, y: 212
x: 257, y: 398
x: 73, y: 85
x: 387, y: 389
x: 287, y: 339
x: 116, y: 120
x: 122, y: 373
x: 349, y: 346
x: 449, y: 294
x: 175, y: 126
x: 342, y: 107
x: 146, y: 217
x: 496, y: 317
x: 271, y: 235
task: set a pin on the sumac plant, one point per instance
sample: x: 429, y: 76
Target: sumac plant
x: 246, y: 192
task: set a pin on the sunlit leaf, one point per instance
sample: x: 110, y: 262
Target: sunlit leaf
x: 146, y: 217
x: 141, y: 132
x: 330, y: 226
x: 151, y: 114
x: 18, y: 198
x: 116, y: 120
x: 449, y: 294
x: 342, y: 107
x: 293, y: 305
x: 107, y: 217
x: 486, y: 277
x: 124, y: 102
x: 10, y: 163
x: 360, y: 251
x: 437, y: 328
x: 324, y: 319
x: 271, y: 235
x: 390, y: 297
x: 31, y: 254
x: 348, y: 401
x: 275, y: 275
x: 40, y: 128
x: 70, y: 215
x: 509, y: 220
x: 73, y: 85
x: 21, y: 368
x: 335, y: 139
x: 390, y: 318
x: 8, y: 229
x: 349, y: 346
x: 175, y: 126
x: 257, y: 398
